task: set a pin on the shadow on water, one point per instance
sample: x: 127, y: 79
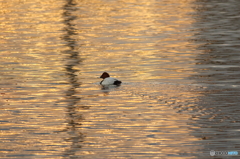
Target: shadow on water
x: 74, y: 118
x: 217, y: 66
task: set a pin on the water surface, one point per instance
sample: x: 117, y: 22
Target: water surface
x: 178, y: 61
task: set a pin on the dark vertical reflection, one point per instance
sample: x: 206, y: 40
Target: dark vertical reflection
x: 217, y: 66
x: 74, y: 118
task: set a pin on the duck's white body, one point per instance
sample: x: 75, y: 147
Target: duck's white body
x: 109, y: 81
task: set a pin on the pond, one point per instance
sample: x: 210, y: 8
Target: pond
x: 178, y: 61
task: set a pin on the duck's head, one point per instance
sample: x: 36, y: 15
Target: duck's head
x: 104, y: 75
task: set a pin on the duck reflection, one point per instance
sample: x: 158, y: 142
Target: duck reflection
x: 74, y: 118
x: 108, y: 88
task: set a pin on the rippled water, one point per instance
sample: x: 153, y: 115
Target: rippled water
x: 178, y: 60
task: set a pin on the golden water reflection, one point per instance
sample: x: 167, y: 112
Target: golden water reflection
x: 131, y: 120
x: 53, y: 53
x: 145, y: 36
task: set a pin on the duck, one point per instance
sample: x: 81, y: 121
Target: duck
x: 107, y: 80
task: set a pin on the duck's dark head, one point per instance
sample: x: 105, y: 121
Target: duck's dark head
x: 104, y: 75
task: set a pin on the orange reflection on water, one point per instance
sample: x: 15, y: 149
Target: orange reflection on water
x: 53, y: 52
x: 30, y: 70
x: 149, y: 118
x: 150, y: 37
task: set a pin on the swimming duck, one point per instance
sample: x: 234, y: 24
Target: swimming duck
x: 107, y: 80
